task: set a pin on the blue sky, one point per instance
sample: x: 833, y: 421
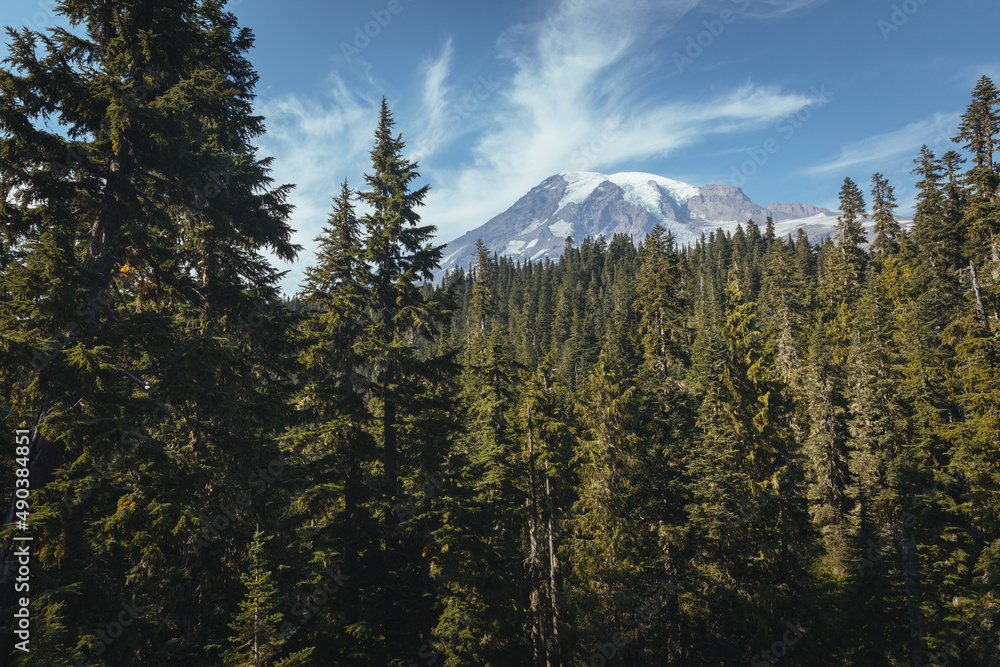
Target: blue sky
x: 784, y: 98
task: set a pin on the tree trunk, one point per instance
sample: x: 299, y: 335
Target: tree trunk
x: 390, y: 597
x: 977, y: 292
x: 554, y: 653
x: 911, y: 577
x: 538, y: 634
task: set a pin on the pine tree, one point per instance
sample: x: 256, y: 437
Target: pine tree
x: 140, y: 229
x: 979, y: 133
x: 847, y: 264
x: 258, y: 641
x: 397, y: 255
x: 826, y: 449
x: 887, y: 229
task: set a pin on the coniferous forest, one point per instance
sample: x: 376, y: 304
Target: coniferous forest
x: 749, y: 451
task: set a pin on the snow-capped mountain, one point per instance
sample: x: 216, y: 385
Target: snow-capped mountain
x: 582, y: 204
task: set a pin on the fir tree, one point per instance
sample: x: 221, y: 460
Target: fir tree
x: 978, y: 133
x: 747, y: 521
x: 936, y: 244
x: 397, y: 255
x: 481, y: 583
x: 826, y: 449
x: 546, y: 431
x: 140, y: 230
x: 333, y: 436
x: 660, y: 304
x: 887, y: 229
x: 847, y: 264
x: 258, y: 640
x: 880, y: 429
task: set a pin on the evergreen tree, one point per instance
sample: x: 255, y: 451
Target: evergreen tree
x: 880, y: 429
x: 826, y: 449
x: 606, y: 540
x: 258, y: 641
x: 847, y: 268
x: 745, y: 515
x: 547, y: 431
x: 660, y: 304
x: 398, y: 254
x: 481, y: 582
x: 978, y: 133
x: 784, y: 300
x: 333, y: 438
x: 887, y: 229
x: 139, y: 229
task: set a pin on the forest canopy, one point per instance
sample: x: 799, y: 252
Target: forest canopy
x: 747, y: 450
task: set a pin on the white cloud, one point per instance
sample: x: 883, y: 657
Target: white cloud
x: 577, y: 99
x: 436, y: 97
x: 576, y: 102
x: 316, y: 144
x: 768, y: 9
x: 904, y: 144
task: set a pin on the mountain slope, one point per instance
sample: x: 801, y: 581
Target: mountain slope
x: 582, y: 204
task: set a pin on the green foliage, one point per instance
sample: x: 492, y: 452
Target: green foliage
x: 258, y: 640
x: 887, y: 229
x: 674, y: 450
x: 846, y: 265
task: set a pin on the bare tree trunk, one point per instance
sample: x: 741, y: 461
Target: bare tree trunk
x: 911, y: 577
x: 977, y: 291
x: 554, y: 654
x: 538, y: 634
x: 390, y: 599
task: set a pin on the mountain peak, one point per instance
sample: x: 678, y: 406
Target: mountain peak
x: 636, y: 185
x: 798, y: 210
x: 583, y: 204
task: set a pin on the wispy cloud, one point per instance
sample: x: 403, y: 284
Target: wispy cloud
x: 769, y: 9
x: 577, y: 73
x: 577, y: 95
x: 316, y: 143
x: 969, y: 76
x: 904, y: 144
x: 436, y: 97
